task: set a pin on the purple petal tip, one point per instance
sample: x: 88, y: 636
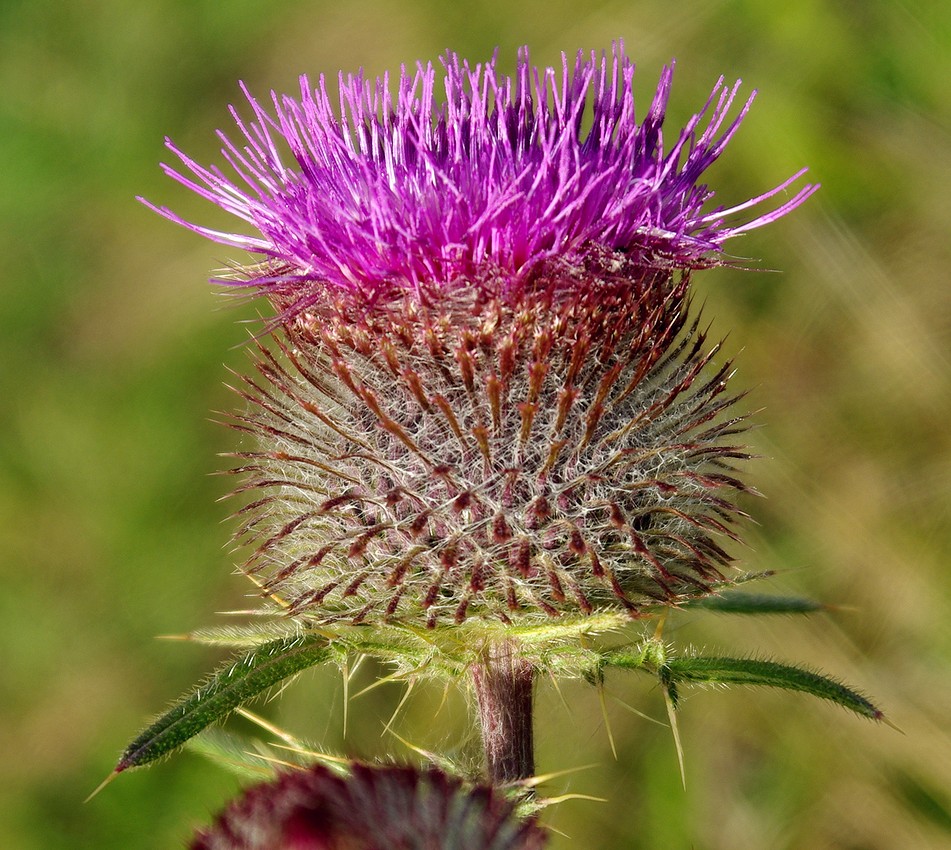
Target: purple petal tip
x: 397, y: 190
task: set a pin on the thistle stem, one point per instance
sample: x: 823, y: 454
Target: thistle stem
x: 503, y: 684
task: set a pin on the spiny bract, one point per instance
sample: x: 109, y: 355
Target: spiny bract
x: 561, y: 452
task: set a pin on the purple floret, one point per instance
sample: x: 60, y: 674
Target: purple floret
x: 412, y: 192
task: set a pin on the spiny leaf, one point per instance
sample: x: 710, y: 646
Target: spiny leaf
x: 732, y: 602
x: 244, y: 678
x: 752, y: 671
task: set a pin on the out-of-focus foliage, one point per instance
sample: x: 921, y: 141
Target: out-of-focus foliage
x: 111, y: 357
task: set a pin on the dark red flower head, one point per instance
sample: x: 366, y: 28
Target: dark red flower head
x: 369, y: 808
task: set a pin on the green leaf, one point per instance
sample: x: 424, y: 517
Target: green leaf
x: 752, y: 671
x: 732, y: 602
x: 241, y: 680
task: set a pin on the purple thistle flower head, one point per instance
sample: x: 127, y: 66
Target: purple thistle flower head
x: 399, y: 192
x: 486, y: 400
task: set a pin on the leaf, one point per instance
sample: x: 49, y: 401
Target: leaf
x: 246, y: 677
x: 752, y: 671
x: 731, y: 602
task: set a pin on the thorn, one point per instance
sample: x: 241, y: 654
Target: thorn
x: 561, y: 696
x: 267, y: 726
x: 549, y: 801
x: 888, y: 722
x: 640, y: 714
x: 535, y: 781
x: 607, y: 722
x: 560, y: 832
x: 397, y: 676
x: 260, y: 585
x: 345, y: 672
x: 400, y: 704
x: 277, y: 761
x: 676, y: 733
x: 102, y: 785
x: 313, y: 754
x: 418, y: 750
x: 847, y: 609
x: 359, y: 663
x: 442, y: 702
x: 283, y: 687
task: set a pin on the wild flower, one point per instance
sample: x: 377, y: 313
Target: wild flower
x: 486, y: 426
x: 492, y: 402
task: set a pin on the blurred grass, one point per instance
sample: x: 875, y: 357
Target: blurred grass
x: 110, y: 363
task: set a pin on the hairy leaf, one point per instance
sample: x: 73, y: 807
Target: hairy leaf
x: 752, y: 671
x: 241, y: 680
x: 242, y: 636
x: 732, y: 602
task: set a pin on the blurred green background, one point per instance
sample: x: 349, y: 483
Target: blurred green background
x: 111, y: 351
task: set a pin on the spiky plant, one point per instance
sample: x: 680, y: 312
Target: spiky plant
x: 488, y: 426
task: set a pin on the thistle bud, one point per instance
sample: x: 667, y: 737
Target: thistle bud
x: 369, y: 808
x: 477, y: 454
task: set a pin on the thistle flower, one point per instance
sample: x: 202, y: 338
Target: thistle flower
x: 486, y: 409
x: 491, y: 400
x: 369, y: 808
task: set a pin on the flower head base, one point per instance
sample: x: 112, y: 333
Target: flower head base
x: 560, y: 454
x: 399, y: 193
x: 369, y: 808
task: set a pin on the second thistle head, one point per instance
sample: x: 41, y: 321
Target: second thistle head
x: 486, y: 398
